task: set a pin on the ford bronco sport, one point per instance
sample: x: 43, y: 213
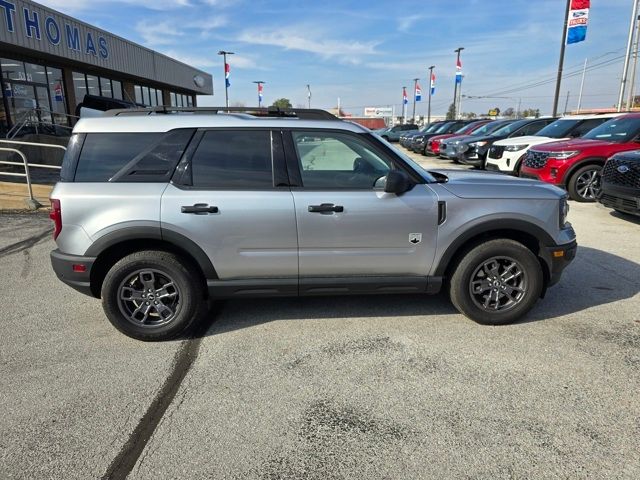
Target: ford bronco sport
x: 159, y: 211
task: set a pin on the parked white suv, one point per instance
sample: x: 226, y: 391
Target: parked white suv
x: 507, y: 155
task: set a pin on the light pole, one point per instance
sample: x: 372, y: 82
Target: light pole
x: 308, y: 96
x: 556, y: 97
x: 430, y: 89
x: 415, y: 91
x: 455, y: 88
x: 404, y: 105
x: 625, y: 68
x: 630, y: 96
x: 226, y: 75
x: 260, y: 83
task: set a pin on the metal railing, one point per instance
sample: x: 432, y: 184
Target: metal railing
x: 27, y: 165
x: 33, y: 117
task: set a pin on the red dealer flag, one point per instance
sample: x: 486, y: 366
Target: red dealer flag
x: 577, y: 21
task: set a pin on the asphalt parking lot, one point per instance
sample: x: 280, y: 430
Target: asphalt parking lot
x: 365, y: 387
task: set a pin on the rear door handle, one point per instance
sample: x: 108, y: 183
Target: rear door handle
x: 326, y: 208
x: 198, y: 209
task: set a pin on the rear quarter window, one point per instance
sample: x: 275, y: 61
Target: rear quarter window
x: 131, y: 157
x: 104, y: 154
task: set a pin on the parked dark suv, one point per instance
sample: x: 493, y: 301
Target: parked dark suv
x: 620, y: 183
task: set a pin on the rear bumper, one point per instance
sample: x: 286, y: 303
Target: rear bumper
x: 63, y: 263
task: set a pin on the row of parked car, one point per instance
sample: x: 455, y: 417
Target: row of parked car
x: 594, y: 157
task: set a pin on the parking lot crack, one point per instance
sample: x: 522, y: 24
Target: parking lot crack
x: 132, y: 450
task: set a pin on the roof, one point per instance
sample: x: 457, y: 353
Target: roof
x: 590, y: 116
x: 166, y: 122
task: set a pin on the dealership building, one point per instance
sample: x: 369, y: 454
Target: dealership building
x: 49, y: 61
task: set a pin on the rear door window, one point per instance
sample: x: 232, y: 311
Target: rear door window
x: 233, y: 159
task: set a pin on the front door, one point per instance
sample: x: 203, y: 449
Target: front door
x: 347, y: 225
x: 231, y: 207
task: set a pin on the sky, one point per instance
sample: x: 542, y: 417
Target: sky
x: 364, y: 52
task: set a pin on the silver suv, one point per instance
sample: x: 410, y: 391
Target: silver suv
x: 159, y: 212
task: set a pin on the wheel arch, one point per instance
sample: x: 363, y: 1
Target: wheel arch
x: 582, y: 163
x: 116, y: 245
x: 531, y: 236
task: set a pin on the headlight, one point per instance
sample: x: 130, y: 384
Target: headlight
x: 420, y: 138
x: 515, y: 148
x: 564, y: 211
x: 478, y: 144
x: 563, y: 155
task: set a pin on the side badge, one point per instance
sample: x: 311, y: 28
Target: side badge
x: 415, y: 238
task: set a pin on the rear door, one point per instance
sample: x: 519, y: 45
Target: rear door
x: 230, y: 198
x: 347, y: 225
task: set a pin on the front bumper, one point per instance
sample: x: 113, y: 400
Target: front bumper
x: 557, y: 258
x: 63, y: 263
x: 625, y: 199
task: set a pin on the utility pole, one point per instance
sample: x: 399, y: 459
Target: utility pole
x: 459, y: 106
x: 226, y: 75
x: 455, y: 88
x: 415, y: 90
x: 625, y: 67
x: 566, y: 103
x: 260, y: 83
x: 430, y: 88
x: 632, y: 84
x: 584, y: 71
x: 518, y: 115
x: 308, y: 96
x: 556, y: 97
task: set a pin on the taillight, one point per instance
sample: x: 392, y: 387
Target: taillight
x: 56, y: 216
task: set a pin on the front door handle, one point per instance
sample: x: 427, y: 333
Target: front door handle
x: 198, y: 209
x: 326, y: 208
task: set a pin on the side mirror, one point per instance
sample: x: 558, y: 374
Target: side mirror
x: 397, y: 182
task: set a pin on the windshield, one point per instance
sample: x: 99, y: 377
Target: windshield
x: 430, y: 128
x: 510, y: 128
x: 490, y: 127
x: 406, y: 159
x: 616, y: 130
x: 443, y: 127
x: 558, y: 129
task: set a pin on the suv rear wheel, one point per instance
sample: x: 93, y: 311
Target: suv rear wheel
x: 496, y: 282
x: 151, y: 295
x: 584, y: 184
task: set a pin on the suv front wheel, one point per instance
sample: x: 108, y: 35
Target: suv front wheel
x: 152, y: 295
x: 496, y: 282
x: 584, y: 184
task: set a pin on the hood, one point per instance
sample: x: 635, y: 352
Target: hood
x: 460, y: 138
x: 482, y: 138
x: 486, y: 185
x: 443, y: 136
x: 584, y: 144
x: 527, y: 140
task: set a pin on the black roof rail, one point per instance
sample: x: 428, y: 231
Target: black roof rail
x: 302, y: 113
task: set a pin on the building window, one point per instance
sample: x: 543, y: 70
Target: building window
x: 93, y: 87
x: 57, y: 95
x: 174, y: 101
x: 117, y: 89
x: 138, y: 91
x: 79, y: 86
x: 105, y: 87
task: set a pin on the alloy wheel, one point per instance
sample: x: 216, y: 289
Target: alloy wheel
x: 498, y: 284
x: 588, y: 184
x: 149, y: 298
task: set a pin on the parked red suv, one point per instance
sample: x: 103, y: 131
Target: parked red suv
x: 433, y: 146
x: 576, y: 164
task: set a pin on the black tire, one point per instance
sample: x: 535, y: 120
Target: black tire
x: 181, y: 292
x: 576, y: 188
x: 470, y: 266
